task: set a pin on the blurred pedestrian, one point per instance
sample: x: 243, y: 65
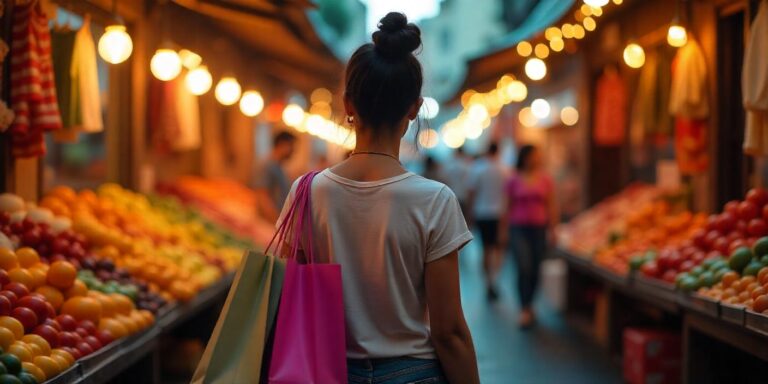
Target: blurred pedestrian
x: 432, y: 169
x: 531, y: 214
x: 486, y: 196
x: 455, y: 175
x: 269, y: 180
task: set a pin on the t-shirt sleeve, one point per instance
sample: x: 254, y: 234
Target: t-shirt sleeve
x: 288, y: 202
x: 447, y: 229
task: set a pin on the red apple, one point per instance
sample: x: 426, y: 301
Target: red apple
x: 713, y: 222
x: 73, y: 351
x: 50, y: 310
x: 57, y: 257
x: 48, y: 333
x: 88, y: 326
x: 104, y: 336
x: 757, y: 228
x: 26, y: 316
x: 4, y: 279
x: 732, y: 207
x: 53, y: 324
x: 747, y: 210
x: 758, y: 196
x: 699, y: 238
x: 36, y: 304
x: 713, y: 255
x: 84, y: 348
x: 67, y: 322
x: 726, y: 222
x: 711, y: 238
x: 93, y: 342
x: 5, y: 306
x: 60, y: 245
x: 10, y: 296
x: 735, y: 235
x: 31, y: 238
x: 721, y: 245
x: 19, y: 289
x: 697, y: 258
x: 67, y: 339
x: 81, y: 331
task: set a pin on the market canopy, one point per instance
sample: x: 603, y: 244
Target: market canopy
x: 278, y: 34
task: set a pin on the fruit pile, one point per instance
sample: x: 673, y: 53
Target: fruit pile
x: 49, y: 318
x: 749, y: 291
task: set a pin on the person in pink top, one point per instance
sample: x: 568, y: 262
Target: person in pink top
x: 529, y: 216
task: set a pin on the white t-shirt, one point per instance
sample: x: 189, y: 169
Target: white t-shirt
x: 455, y: 173
x: 487, y: 179
x: 382, y: 233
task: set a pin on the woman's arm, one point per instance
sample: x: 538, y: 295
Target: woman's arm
x: 450, y: 334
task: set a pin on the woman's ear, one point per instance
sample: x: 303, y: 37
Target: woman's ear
x: 414, y: 111
x: 349, y: 108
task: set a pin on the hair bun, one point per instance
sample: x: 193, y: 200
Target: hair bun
x: 396, y: 37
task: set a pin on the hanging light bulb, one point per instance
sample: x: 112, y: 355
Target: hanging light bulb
x: 115, y: 45
x: 541, y: 108
x: 524, y: 48
x: 527, y: 118
x: 165, y: 64
x: 535, y: 69
x: 293, y: 115
x: 589, y: 23
x: 677, y: 36
x: 251, y: 103
x: 517, y: 91
x: 189, y: 59
x: 199, y: 80
x: 228, y: 91
x: 429, y: 108
x: 569, y: 116
x: 596, y: 3
x: 541, y: 51
x: 634, y: 55
x: 428, y: 138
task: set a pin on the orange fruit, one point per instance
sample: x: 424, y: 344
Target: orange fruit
x: 108, y: 305
x: 34, y: 370
x: 757, y: 292
x: 760, y: 304
x: 139, y: 319
x: 38, y: 340
x: 8, y: 259
x: 63, y: 192
x: 36, y: 350
x: 48, y: 365
x: 762, y: 275
x: 78, y: 288
x: 123, y: 304
x: 82, y: 308
x: 148, y: 316
x: 39, y: 276
x: 128, y: 323
x: 63, y: 353
x: 62, y: 274
x: 27, y: 257
x: 52, y: 294
x: 115, y: 327
x: 21, y: 350
x: 61, y: 361
x: 21, y: 275
x: 13, y: 325
x: 6, y: 338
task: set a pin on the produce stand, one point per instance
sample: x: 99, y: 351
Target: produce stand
x: 706, y: 324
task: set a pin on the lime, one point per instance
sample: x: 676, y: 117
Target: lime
x: 761, y: 246
x: 26, y: 378
x: 718, y: 265
x: 679, y: 278
x: 697, y: 270
x: 719, y: 274
x: 752, y: 268
x: 9, y: 379
x: 764, y: 260
x: 706, y: 279
x: 11, y: 363
x: 740, y: 258
x: 689, y: 284
x: 636, y: 262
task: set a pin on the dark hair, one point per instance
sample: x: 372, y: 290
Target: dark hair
x: 493, y: 148
x: 383, y: 80
x: 283, y: 137
x: 522, y: 157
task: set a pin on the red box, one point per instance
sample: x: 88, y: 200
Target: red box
x: 652, y: 356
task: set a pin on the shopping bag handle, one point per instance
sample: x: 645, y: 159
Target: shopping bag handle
x: 297, y: 219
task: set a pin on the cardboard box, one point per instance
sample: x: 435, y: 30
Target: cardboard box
x: 652, y: 356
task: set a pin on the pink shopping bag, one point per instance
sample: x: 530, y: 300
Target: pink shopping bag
x: 309, y: 341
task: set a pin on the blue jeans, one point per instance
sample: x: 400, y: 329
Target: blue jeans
x: 399, y: 370
x: 529, y: 246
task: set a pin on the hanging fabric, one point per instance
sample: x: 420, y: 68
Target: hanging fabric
x: 33, y: 92
x: 643, y: 111
x: 63, y: 47
x: 689, y: 104
x: 85, y: 73
x: 754, y: 85
x: 610, y: 109
x: 173, y: 117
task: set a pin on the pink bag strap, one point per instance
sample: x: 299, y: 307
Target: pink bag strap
x: 297, y: 222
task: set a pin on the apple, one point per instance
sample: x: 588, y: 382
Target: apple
x: 738, y: 243
x: 10, y: 296
x: 735, y: 235
x: 726, y: 222
x: 721, y: 245
x: 67, y: 339
x: 57, y: 257
x: 19, y: 289
x: 49, y: 333
x: 5, y: 306
x: 747, y: 210
x: 104, y: 336
x: 94, y: 342
x: 758, y: 196
x: 713, y: 255
x: 73, y: 351
x: 26, y: 317
x: 31, y: 238
x: 84, y: 348
x: 82, y: 332
x: 741, y: 226
x: 53, y: 323
x: 699, y: 238
x: 757, y: 228
x: 713, y: 223
x: 697, y: 257
x: 711, y: 238
x: 4, y: 279
x: 59, y: 245
x: 36, y: 304
x: 88, y: 326
x: 67, y: 322
x: 50, y: 310
x: 732, y: 207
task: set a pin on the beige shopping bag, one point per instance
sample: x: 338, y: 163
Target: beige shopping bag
x: 236, y: 350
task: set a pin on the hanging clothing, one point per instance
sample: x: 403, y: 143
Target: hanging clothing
x: 691, y: 145
x: 33, y: 92
x: 173, y: 117
x: 754, y: 85
x: 85, y: 74
x: 688, y: 96
x: 610, y: 109
x: 63, y: 46
x: 661, y: 127
x: 643, y: 111
x: 188, y: 108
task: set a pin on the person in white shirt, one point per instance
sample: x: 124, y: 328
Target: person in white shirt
x: 455, y: 173
x: 395, y: 234
x: 486, y: 196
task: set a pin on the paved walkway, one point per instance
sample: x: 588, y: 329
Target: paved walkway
x: 552, y: 352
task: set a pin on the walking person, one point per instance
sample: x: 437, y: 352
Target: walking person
x: 395, y: 234
x: 269, y: 180
x: 455, y: 174
x: 486, y: 196
x: 530, y: 216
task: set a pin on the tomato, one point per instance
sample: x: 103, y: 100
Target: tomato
x: 26, y: 317
x: 669, y: 276
x: 687, y: 265
x: 726, y: 222
x: 711, y: 238
x: 732, y: 207
x: 47, y: 332
x: 36, y: 304
x: 757, y: 228
x: 758, y: 196
x: 747, y: 210
x: 650, y: 269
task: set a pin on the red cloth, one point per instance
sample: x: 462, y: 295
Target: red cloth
x: 610, y: 110
x: 33, y: 91
x: 691, y: 145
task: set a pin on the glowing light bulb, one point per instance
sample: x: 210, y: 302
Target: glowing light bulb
x: 557, y: 45
x: 524, y: 48
x: 477, y: 113
x: 321, y: 95
x: 429, y: 108
x: 589, y: 23
x: 677, y: 36
x: 428, y: 138
x: 251, y: 104
x: 115, y: 45
x: 634, y: 55
x: 293, y: 115
x: 596, y: 3
x: 189, y: 59
x: 199, y: 80
x: 553, y: 33
x: 541, y: 108
x: 228, y: 91
x: 569, y: 116
x: 526, y: 117
x: 165, y: 64
x: 517, y: 91
x: 535, y: 69
x: 578, y: 31
x: 453, y: 137
x: 542, y: 51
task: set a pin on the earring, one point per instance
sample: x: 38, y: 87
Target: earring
x: 350, y: 119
